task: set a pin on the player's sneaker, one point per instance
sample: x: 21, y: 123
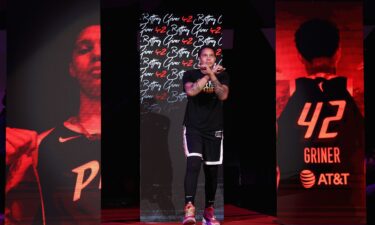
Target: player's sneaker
x: 209, y: 217
x: 189, y: 218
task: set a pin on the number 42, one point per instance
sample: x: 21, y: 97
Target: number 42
x: 312, y: 123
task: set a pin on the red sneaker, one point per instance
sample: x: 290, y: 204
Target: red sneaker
x: 189, y: 218
x: 209, y: 217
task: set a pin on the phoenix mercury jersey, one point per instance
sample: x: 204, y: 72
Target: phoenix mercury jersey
x: 320, y: 114
x: 320, y: 147
x: 204, y: 111
x: 70, y: 180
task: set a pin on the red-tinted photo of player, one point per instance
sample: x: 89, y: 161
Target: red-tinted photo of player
x: 54, y: 177
x: 320, y: 139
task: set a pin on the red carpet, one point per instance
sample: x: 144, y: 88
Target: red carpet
x: 233, y: 216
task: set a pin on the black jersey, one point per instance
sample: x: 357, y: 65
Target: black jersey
x: 293, y: 137
x: 204, y: 111
x: 70, y: 181
x: 320, y: 150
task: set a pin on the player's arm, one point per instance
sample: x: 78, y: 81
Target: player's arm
x: 194, y: 88
x: 19, y: 142
x: 21, y: 153
x: 20, y: 145
x: 221, y: 90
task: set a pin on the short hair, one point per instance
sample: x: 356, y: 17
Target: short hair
x: 204, y: 47
x: 317, y: 38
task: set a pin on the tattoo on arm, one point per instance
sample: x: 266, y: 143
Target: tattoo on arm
x: 196, y: 88
x: 219, y: 88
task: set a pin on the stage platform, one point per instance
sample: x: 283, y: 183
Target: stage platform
x: 233, y: 216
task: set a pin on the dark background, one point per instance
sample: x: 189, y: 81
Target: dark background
x: 40, y: 40
x: 2, y: 91
x: 369, y: 59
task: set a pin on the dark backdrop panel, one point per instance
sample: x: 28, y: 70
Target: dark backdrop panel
x: 120, y: 104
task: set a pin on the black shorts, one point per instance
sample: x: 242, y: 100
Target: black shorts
x: 207, y: 145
